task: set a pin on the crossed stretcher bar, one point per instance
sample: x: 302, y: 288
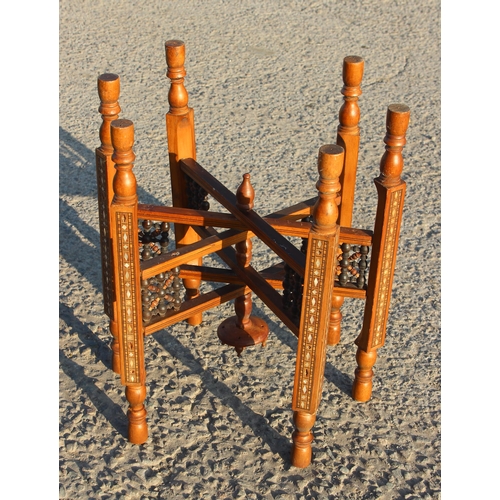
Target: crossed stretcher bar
x: 242, y: 225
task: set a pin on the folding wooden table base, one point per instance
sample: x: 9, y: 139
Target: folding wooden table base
x: 148, y: 287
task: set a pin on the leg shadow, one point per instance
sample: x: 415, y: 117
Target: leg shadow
x: 259, y: 425
x: 105, y: 406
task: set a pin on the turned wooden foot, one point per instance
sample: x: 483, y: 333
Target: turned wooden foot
x: 363, y: 376
x: 335, y: 320
x: 137, y: 425
x: 302, y: 438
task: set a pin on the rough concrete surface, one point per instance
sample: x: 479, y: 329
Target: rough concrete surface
x: 264, y: 80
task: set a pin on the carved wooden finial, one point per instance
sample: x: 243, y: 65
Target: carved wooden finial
x: 352, y: 74
x: 175, y: 52
x: 124, y: 182
x: 245, y: 195
x: 391, y: 164
x: 325, y: 211
x: 108, y: 87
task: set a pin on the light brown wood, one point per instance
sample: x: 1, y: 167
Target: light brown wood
x: 274, y: 240
x: 348, y: 133
x: 281, y: 223
x: 244, y: 329
x: 316, y: 304
x: 255, y: 281
x: 391, y: 191
x: 330, y: 266
x: 124, y: 230
x: 335, y: 320
x: 302, y: 438
x: 181, y: 144
x: 108, y: 87
x: 198, y: 305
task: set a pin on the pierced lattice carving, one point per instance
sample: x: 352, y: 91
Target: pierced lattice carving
x: 293, y: 287
x: 153, y: 238
x: 352, y: 269
x: 163, y: 291
x: 351, y: 272
x: 197, y: 197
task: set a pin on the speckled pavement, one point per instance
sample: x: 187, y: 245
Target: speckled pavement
x: 264, y: 80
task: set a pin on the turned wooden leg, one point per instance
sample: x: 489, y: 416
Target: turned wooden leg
x: 316, y: 304
x: 137, y: 425
x: 391, y: 190
x: 363, y: 376
x: 302, y: 438
x: 127, y: 282
x: 181, y: 144
x: 335, y: 320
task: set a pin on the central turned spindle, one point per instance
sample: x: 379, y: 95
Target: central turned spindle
x: 243, y: 330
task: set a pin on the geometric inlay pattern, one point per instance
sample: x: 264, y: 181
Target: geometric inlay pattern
x: 390, y: 243
x: 126, y: 242
x: 312, y: 308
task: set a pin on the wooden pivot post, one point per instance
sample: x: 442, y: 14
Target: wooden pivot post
x: 181, y: 144
x: 243, y: 330
x: 391, y: 191
x: 348, y: 138
x: 108, y: 87
x: 123, y: 214
x: 316, y: 303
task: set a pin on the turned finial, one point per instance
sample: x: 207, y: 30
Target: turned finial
x: 124, y: 182
x: 245, y: 195
x: 391, y: 164
x: 175, y: 52
x: 325, y: 211
x: 108, y: 87
x: 352, y: 74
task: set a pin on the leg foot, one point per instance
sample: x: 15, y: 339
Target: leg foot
x: 302, y: 438
x: 137, y: 425
x: 363, y: 376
